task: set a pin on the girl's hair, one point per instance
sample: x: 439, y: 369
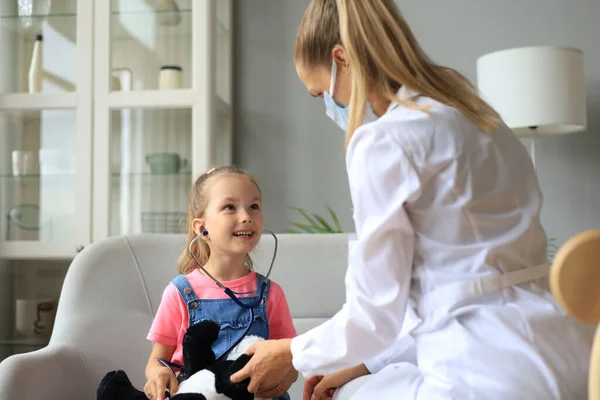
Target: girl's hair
x: 383, y: 55
x: 197, y: 206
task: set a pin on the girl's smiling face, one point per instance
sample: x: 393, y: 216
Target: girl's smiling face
x: 233, y: 215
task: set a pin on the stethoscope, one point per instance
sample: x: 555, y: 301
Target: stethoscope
x: 232, y: 295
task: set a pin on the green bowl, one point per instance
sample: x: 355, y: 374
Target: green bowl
x: 165, y: 163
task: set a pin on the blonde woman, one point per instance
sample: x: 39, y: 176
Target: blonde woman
x: 446, y: 294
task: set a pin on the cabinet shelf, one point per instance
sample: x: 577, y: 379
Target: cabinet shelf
x: 38, y: 16
x: 163, y: 99
x: 36, y: 250
x: 151, y: 12
x: 149, y: 174
x: 73, y: 15
x: 152, y: 99
x: 38, y: 101
x: 64, y: 181
x: 34, y: 177
x: 30, y: 25
x: 115, y: 175
x: 24, y: 342
x: 147, y: 178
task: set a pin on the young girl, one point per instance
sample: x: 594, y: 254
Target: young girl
x: 225, y: 211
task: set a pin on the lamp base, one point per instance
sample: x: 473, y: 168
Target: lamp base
x: 532, y: 145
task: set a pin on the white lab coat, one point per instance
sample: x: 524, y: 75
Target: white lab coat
x: 445, y: 294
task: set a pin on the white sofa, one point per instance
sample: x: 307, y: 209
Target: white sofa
x: 111, y: 293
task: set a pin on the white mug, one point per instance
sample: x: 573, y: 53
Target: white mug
x: 169, y: 77
x: 22, y: 162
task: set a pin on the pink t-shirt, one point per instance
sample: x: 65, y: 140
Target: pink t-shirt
x: 171, y: 321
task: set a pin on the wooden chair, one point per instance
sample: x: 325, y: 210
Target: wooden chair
x: 575, y: 282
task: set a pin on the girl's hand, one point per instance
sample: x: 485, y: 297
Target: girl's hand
x: 323, y: 387
x: 309, y: 387
x: 156, y: 386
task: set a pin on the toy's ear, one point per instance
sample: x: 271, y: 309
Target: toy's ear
x: 224, y: 370
x: 197, y: 346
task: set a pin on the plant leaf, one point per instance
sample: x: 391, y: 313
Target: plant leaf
x: 323, y: 223
x: 316, y: 223
x: 303, y: 228
x: 336, y: 221
x: 309, y: 228
x: 306, y: 216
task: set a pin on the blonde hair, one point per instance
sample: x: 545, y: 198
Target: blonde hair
x: 383, y: 55
x: 197, y: 206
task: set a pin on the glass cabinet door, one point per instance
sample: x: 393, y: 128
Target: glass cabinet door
x: 45, y: 128
x: 150, y: 170
x: 162, y: 109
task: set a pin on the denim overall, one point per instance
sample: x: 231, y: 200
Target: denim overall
x: 232, y: 318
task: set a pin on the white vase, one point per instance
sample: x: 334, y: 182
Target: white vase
x: 35, y: 68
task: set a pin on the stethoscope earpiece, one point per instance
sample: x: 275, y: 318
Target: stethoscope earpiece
x: 204, y: 232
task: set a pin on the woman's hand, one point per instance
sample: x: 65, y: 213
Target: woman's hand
x: 282, y: 387
x: 157, y: 385
x: 323, y: 387
x: 270, y: 367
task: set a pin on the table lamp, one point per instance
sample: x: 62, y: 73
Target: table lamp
x: 536, y: 90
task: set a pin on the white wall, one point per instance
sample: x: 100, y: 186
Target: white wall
x: 281, y: 133
x: 284, y: 137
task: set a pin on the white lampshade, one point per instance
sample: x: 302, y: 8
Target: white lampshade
x: 542, y: 87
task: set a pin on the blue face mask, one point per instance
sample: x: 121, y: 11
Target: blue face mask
x: 337, y: 113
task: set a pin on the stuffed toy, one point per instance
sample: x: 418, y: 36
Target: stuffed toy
x: 208, y: 378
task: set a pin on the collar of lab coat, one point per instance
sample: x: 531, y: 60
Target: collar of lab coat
x: 403, y: 93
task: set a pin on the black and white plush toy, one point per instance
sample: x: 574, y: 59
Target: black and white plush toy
x: 208, y: 378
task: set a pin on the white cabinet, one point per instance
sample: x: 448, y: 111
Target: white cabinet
x: 135, y: 103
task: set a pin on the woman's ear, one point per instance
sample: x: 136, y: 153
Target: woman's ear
x: 339, y: 55
x: 198, y: 226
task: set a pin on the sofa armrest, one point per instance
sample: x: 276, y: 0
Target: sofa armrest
x: 54, y: 372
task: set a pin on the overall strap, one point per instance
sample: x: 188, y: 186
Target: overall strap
x: 260, y: 279
x: 185, y: 289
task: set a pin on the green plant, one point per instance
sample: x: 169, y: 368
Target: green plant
x: 552, y: 249
x: 314, y: 223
